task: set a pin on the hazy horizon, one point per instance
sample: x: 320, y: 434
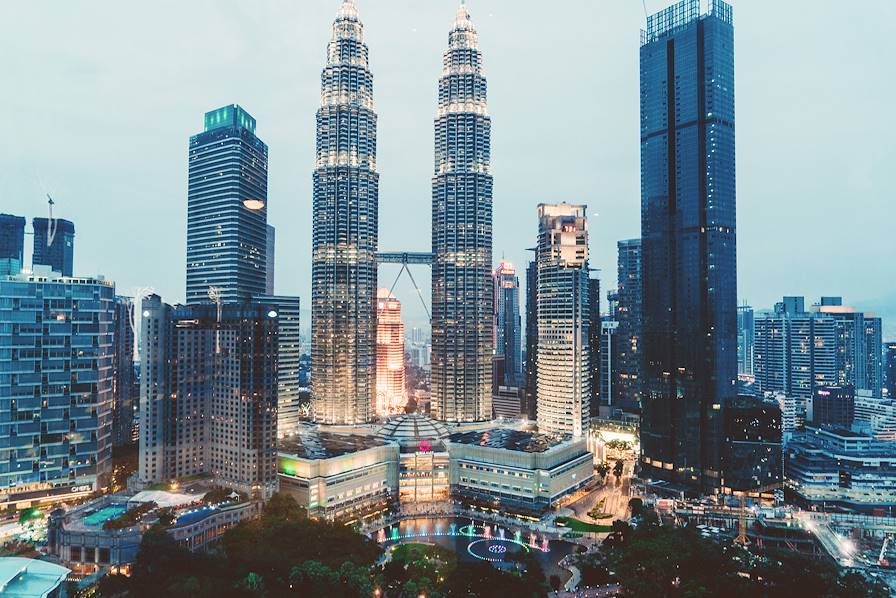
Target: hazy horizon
x: 101, y: 105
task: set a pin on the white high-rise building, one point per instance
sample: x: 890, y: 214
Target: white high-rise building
x: 563, y: 361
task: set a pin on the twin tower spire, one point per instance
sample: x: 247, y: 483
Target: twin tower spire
x: 345, y: 232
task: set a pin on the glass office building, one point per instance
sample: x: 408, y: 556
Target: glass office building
x: 345, y: 232
x: 462, y: 295
x: 12, y: 244
x: 56, y: 359
x: 227, y: 209
x: 54, y: 244
x: 688, y: 240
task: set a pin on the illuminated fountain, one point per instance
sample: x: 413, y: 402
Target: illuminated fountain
x: 518, y: 537
x: 488, y: 531
x: 381, y: 536
x: 544, y: 544
x: 453, y: 527
x: 501, y: 533
x: 395, y: 533
x: 532, y: 540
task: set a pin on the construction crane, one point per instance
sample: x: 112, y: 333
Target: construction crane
x: 742, y: 509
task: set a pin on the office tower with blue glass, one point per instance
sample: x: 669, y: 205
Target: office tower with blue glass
x: 345, y: 231
x: 628, y: 355
x: 462, y: 296
x: 227, y: 209
x: 508, y: 326
x: 563, y: 366
x: 688, y: 241
x: 12, y: 244
x: 54, y: 244
x: 56, y: 387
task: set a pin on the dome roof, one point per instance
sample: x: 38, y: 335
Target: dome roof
x: 412, y: 429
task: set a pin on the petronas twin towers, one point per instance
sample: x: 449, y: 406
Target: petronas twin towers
x: 345, y: 233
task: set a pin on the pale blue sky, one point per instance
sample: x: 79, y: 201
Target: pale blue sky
x: 99, y: 100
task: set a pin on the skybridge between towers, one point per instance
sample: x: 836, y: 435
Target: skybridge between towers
x: 416, y: 258
x: 407, y: 258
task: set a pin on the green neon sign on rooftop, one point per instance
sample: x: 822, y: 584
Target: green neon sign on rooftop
x: 229, y: 116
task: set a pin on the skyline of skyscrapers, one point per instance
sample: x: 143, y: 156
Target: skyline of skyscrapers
x: 462, y: 293
x: 220, y: 374
x: 227, y: 207
x: 54, y: 244
x: 689, y: 264
x: 563, y: 367
x: 345, y: 231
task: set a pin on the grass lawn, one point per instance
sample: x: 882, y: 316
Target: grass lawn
x: 580, y: 526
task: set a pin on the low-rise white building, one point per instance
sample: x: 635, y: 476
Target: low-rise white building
x: 517, y: 471
x: 338, y: 476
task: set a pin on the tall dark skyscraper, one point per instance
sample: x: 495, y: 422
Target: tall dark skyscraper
x: 12, y: 244
x: 345, y: 231
x: 227, y: 208
x: 508, y: 332
x: 628, y: 357
x: 531, y: 337
x: 54, y: 244
x: 462, y: 293
x: 125, y: 391
x: 688, y: 240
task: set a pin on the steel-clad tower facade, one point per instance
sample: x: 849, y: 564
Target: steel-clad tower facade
x: 462, y: 290
x: 344, y: 238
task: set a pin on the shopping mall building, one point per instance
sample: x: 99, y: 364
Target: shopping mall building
x: 413, y: 459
